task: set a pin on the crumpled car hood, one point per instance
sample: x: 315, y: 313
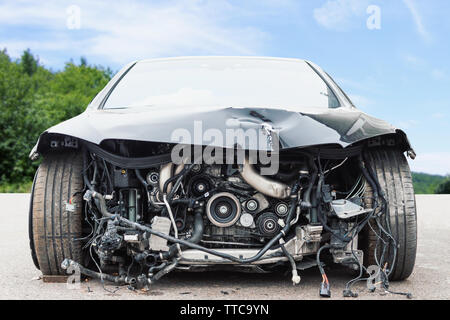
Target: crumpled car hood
x: 294, y: 129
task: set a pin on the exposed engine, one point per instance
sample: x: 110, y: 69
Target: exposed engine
x: 144, y: 222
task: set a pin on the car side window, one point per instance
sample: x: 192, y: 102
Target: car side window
x: 333, y: 102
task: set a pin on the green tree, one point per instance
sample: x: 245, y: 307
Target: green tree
x: 426, y: 183
x: 444, y: 188
x: 29, y: 63
x: 16, y: 89
x: 32, y: 99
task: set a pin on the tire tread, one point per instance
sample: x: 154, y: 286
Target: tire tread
x: 55, y: 230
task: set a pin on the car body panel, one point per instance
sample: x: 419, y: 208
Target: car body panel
x: 294, y: 128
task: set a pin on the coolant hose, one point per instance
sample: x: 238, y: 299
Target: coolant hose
x: 197, y: 234
x: 141, y: 179
x: 307, y: 196
x: 101, y: 203
x: 198, y: 227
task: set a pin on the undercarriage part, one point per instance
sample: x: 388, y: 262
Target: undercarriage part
x: 165, y: 271
x: 243, y: 268
x: 119, y: 280
x: 303, y: 244
x: 306, y: 242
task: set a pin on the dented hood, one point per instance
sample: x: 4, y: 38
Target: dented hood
x: 308, y: 127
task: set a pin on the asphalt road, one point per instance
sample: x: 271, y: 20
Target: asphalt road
x: 431, y: 278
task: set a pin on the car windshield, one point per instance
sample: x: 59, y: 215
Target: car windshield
x: 222, y: 82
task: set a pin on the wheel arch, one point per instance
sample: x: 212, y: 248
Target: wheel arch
x: 398, y: 140
x: 54, y: 142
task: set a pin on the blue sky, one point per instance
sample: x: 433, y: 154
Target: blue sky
x: 399, y: 72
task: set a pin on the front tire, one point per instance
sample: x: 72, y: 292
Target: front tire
x: 54, y: 229
x: 392, y: 170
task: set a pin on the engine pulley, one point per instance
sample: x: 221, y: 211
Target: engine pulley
x: 199, y: 185
x: 223, y: 209
x: 267, y: 224
x: 282, y: 209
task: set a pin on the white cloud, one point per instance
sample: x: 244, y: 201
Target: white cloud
x: 29, y: 13
x: 340, y: 14
x: 432, y: 163
x: 122, y: 31
x: 417, y: 18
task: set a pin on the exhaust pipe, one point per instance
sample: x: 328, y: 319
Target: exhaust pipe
x: 264, y: 185
x: 165, y: 174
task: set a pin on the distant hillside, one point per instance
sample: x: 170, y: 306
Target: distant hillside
x: 426, y: 183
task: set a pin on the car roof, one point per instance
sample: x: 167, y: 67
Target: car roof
x: 193, y: 58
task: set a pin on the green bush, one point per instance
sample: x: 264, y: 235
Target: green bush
x: 24, y: 187
x: 444, y: 188
x: 426, y: 183
x: 34, y: 98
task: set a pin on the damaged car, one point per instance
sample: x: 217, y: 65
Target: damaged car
x: 250, y: 164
